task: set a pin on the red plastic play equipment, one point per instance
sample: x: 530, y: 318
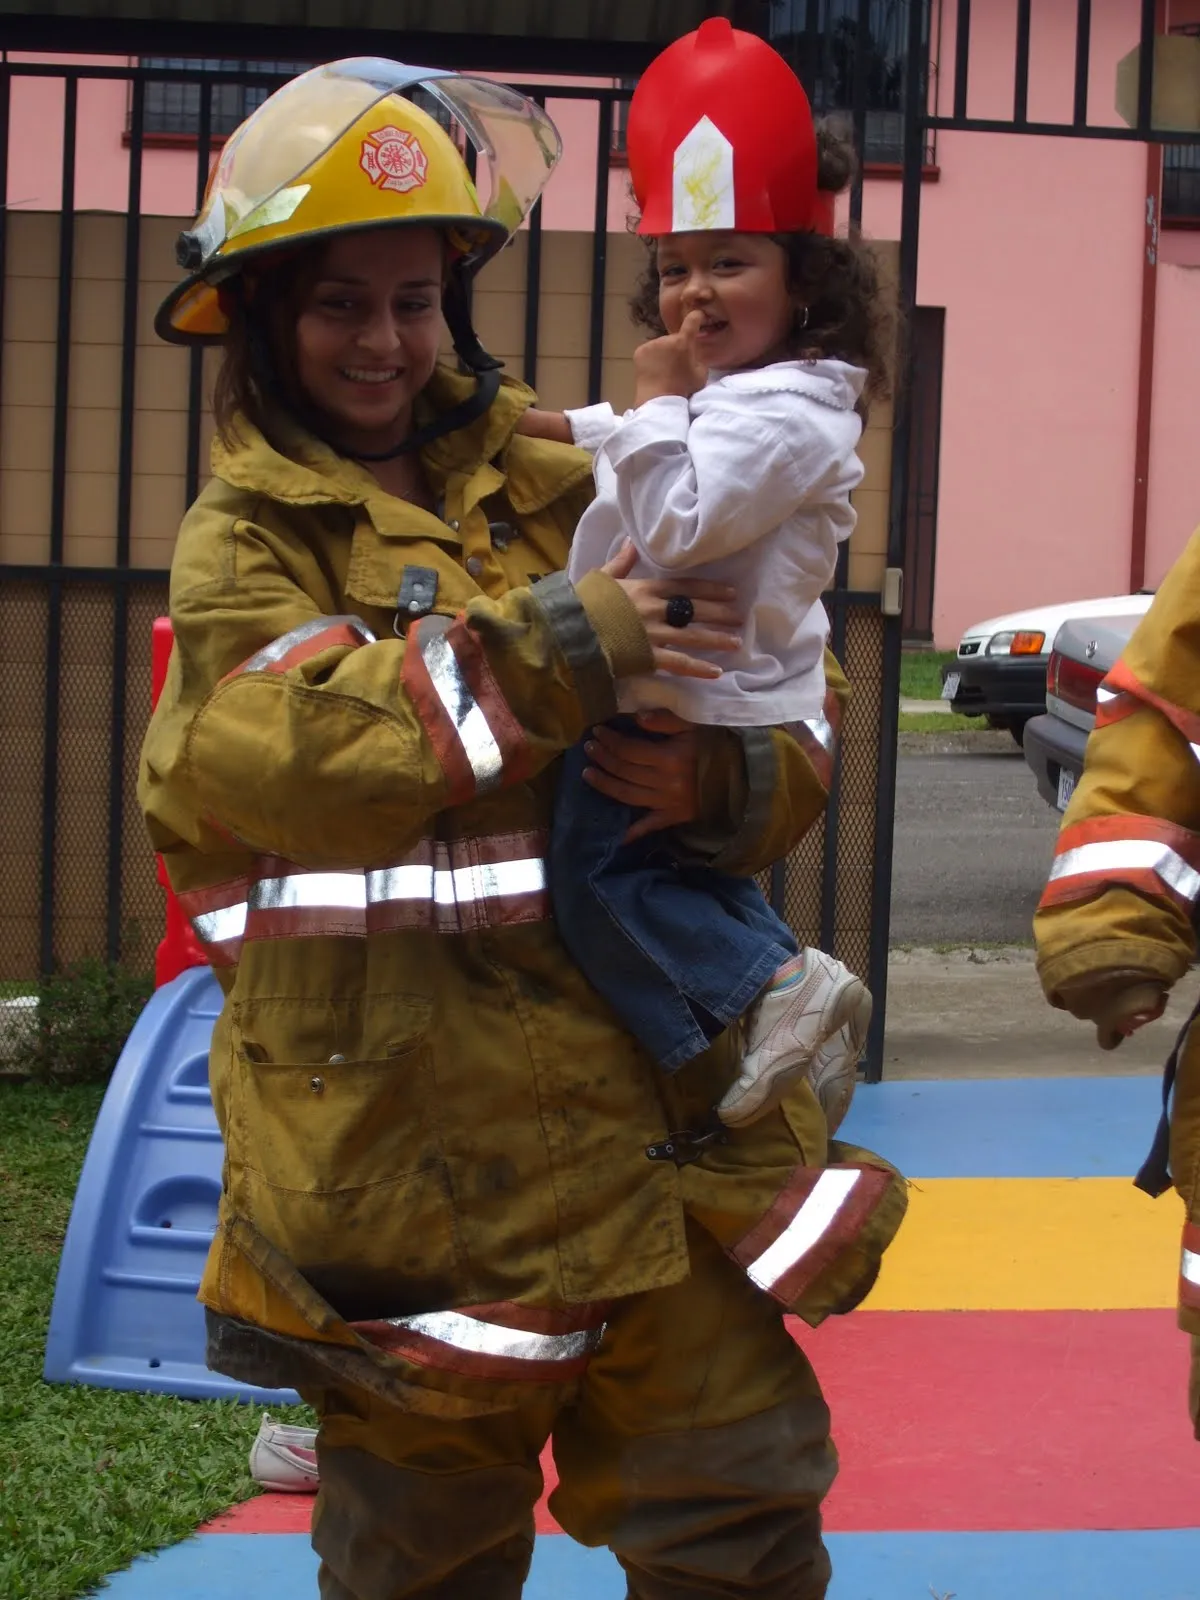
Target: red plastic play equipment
x: 179, y: 949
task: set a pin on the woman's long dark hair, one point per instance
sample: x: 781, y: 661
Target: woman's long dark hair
x: 258, y: 363
x: 837, y: 280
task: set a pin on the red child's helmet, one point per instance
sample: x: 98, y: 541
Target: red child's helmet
x: 720, y: 136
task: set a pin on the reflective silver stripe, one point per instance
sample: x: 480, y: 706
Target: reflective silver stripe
x: 311, y: 891
x: 411, y: 882
x: 491, y: 1339
x: 823, y: 731
x: 1190, y: 1267
x: 488, y: 882
x: 1103, y: 695
x: 1112, y: 856
x: 218, y: 927
x: 464, y: 711
x: 278, y: 648
x: 810, y: 1224
x: 356, y: 891
x: 456, y: 885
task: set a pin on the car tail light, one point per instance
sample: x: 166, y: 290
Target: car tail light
x: 1073, y: 682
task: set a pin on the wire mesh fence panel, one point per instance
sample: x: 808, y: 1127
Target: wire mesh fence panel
x: 22, y: 746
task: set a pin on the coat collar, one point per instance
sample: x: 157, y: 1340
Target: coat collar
x: 463, y: 467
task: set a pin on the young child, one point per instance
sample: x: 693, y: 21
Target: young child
x: 736, y: 464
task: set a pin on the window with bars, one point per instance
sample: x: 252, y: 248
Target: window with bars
x: 1181, y: 183
x: 172, y: 108
x: 620, y: 124
x: 821, y: 40
x: 1181, y: 168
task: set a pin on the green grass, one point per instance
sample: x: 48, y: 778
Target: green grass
x: 921, y: 673
x: 939, y: 722
x: 89, y: 1478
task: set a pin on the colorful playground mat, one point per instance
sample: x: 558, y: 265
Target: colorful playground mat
x: 1009, y: 1407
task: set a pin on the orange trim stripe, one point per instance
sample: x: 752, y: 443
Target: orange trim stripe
x: 1124, y: 680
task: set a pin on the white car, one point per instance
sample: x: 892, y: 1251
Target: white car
x: 1000, y: 669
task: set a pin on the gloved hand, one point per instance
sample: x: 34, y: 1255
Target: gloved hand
x: 1118, y: 1001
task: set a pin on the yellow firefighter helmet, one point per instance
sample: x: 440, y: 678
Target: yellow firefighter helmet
x: 364, y: 143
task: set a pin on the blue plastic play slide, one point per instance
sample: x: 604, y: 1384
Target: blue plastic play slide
x: 125, y: 1313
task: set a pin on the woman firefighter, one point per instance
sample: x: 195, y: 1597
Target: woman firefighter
x: 460, y: 1214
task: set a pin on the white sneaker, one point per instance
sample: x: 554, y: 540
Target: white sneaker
x: 787, y: 1027
x: 834, y: 1070
x: 284, y: 1458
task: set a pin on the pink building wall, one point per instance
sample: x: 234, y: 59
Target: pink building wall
x: 1034, y: 247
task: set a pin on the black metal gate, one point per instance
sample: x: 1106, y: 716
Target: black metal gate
x: 74, y: 636
x: 74, y: 639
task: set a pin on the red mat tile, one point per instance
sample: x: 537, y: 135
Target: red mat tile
x: 977, y: 1421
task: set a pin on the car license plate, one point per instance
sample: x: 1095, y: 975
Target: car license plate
x: 950, y: 686
x: 1066, y: 787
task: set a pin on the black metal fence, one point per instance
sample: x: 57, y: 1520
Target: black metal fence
x: 75, y: 642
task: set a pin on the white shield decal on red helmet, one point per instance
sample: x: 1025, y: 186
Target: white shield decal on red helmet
x: 702, y: 181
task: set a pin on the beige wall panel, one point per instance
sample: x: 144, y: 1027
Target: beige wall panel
x: 91, y: 514
x: 507, y: 271
x: 627, y: 255
x: 30, y: 310
x: 31, y: 245
x: 871, y: 531
x: 866, y: 570
x: 95, y: 376
x: 28, y: 375
x: 151, y: 294
x: 563, y: 326
x: 157, y: 246
x: 99, y: 245
x: 621, y: 337
x: 883, y: 415
x: 152, y: 555
x: 561, y: 382
x: 567, y: 263
x: 25, y: 509
x: 98, y: 311
x: 157, y: 510
x: 93, y: 441
x: 160, y: 442
x: 616, y: 384
x: 26, y: 438
x: 25, y: 549
x: 875, y: 452
x: 500, y: 323
x: 162, y: 378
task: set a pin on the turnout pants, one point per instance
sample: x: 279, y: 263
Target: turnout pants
x: 696, y: 1447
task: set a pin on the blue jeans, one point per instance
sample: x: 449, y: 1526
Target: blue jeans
x: 678, y: 949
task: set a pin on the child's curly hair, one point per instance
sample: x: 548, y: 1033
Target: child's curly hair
x: 836, y: 279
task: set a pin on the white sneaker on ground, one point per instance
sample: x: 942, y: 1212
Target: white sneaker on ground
x: 284, y: 1458
x: 834, y: 1070
x: 787, y: 1027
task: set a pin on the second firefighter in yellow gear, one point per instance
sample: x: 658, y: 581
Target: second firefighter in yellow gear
x: 1116, y: 925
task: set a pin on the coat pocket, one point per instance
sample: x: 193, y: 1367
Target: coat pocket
x: 337, y: 1162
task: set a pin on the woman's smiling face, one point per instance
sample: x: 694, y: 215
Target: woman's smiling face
x: 367, y: 333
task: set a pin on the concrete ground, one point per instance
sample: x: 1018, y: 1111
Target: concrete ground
x: 981, y: 1014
